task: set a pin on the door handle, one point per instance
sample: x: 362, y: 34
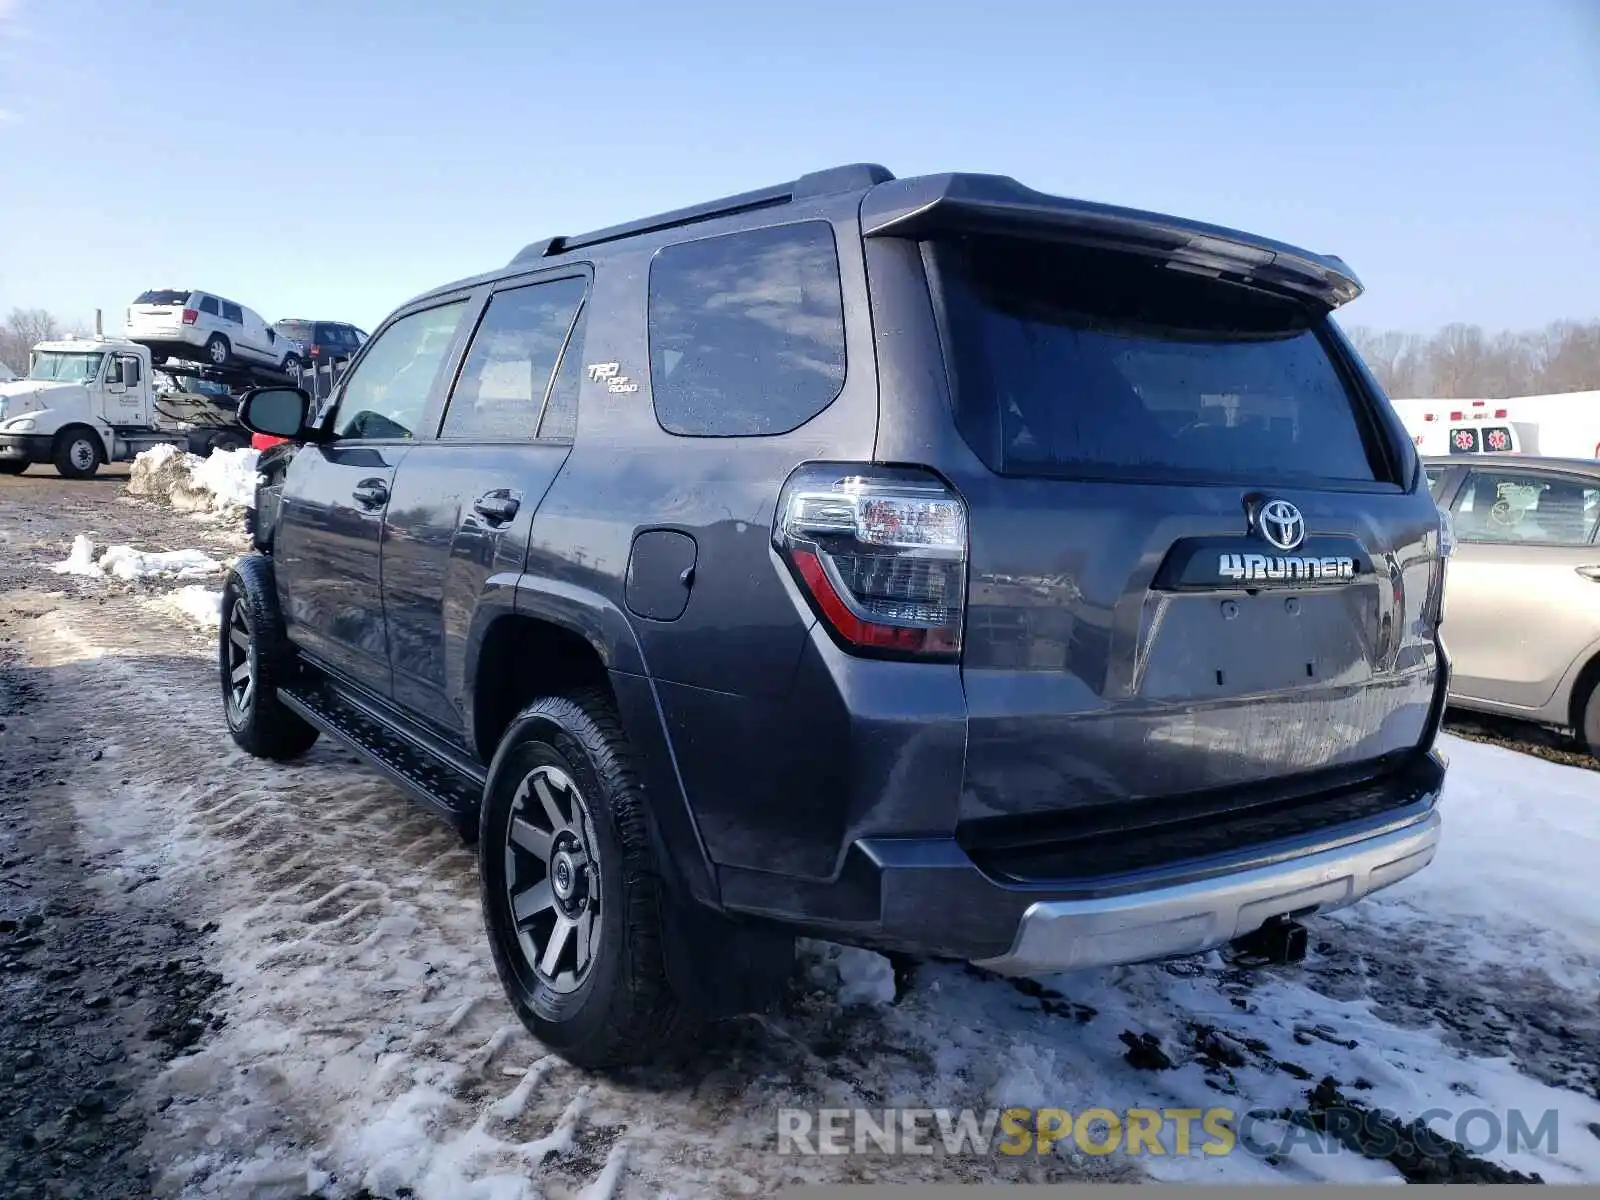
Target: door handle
x: 497, y: 507
x: 371, y: 493
x: 1590, y: 573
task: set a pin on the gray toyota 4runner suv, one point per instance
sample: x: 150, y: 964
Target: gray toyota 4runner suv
x: 927, y: 564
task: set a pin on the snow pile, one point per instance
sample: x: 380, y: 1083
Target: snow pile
x: 81, y: 560
x: 230, y: 477
x: 223, y: 483
x: 195, y: 603
x: 862, y: 977
x: 124, y: 562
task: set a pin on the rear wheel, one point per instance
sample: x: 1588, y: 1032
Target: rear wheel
x: 291, y: 367
x: 227, y: 440
x: 218, y: 351
x: 253, y: 658
x: 572, y: 895
x: 78, y: 454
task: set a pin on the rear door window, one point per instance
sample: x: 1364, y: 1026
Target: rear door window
x: 1505, y: 506
x: 746, y: 331
x: 505, y: 379
x: 1087, y: 363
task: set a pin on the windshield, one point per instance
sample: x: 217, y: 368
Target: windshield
x: 1089, y: 363
x: 64, y: 366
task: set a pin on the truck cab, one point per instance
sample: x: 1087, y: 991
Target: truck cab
x: 93, y: 400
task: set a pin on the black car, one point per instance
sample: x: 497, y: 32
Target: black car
x: 929, y: 564
x: 324, y: 340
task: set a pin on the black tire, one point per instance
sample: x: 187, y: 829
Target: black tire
x: 218, y: 352
x: 623, y: 1010
x: 1589, y: 720
x: 13, y: 466
x: 226, y: 440
x: 252, y: 637
x: 78, y: 453
x: 291, y: 367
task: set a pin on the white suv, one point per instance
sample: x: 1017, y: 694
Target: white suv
x: 178, y: 323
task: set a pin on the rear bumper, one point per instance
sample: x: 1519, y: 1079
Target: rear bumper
x: 26, y: 447
x: 1063, y: 935
x: 928, y: 895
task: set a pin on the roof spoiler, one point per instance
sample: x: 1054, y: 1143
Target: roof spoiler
x: 998, y: 204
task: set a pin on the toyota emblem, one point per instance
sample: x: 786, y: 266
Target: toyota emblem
x: 1281, y: 524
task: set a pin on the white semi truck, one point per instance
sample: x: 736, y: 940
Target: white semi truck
x: 93, y: 400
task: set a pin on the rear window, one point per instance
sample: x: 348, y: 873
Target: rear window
x: 163, y: 297
x: 1080, y: 362
x: 300, y: 331
x: 335, y: 335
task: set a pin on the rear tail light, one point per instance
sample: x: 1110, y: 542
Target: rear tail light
x: 191, y: 315
x: 316, y: 351
x: 882, y: 554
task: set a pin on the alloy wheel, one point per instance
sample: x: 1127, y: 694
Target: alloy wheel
x: 241, y: 660
x: 553, y: 879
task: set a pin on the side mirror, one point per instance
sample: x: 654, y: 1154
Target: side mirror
x: 276, y: 412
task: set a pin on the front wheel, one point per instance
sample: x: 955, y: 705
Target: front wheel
x: 78, y: 454
x: 572, y: 895
x: 253, y: 658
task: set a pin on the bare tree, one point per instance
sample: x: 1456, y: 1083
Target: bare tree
x: 1462, y: 361
x: 21, y: 330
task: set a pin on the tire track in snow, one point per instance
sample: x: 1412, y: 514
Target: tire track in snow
x: 367, y: 1042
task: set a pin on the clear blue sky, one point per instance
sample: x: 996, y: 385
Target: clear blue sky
x: 334, y: 157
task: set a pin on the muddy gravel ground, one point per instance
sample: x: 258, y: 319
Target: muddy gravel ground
x: 207, y: 962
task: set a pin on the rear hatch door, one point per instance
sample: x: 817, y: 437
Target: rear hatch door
x: 1202, y: 560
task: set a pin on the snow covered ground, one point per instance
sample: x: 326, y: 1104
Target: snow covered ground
x: 363, y: 1042
x: 366, y: 1043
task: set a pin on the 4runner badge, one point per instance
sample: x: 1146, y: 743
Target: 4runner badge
x: 607, y: 373
x: 1249, y: 568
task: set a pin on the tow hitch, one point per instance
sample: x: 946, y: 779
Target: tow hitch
x: 1280, y: 942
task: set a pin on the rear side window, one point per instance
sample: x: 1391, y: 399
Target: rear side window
x: 208, y: 304
x: 746, y: 331
x: 163, y: 296
x: 507, y: 373
x: 1082, y: 362
x: 1503, y: 506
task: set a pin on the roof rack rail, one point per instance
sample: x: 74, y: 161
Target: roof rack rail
x: 816, y: 183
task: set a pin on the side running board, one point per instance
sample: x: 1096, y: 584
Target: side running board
x: 444, y: 782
